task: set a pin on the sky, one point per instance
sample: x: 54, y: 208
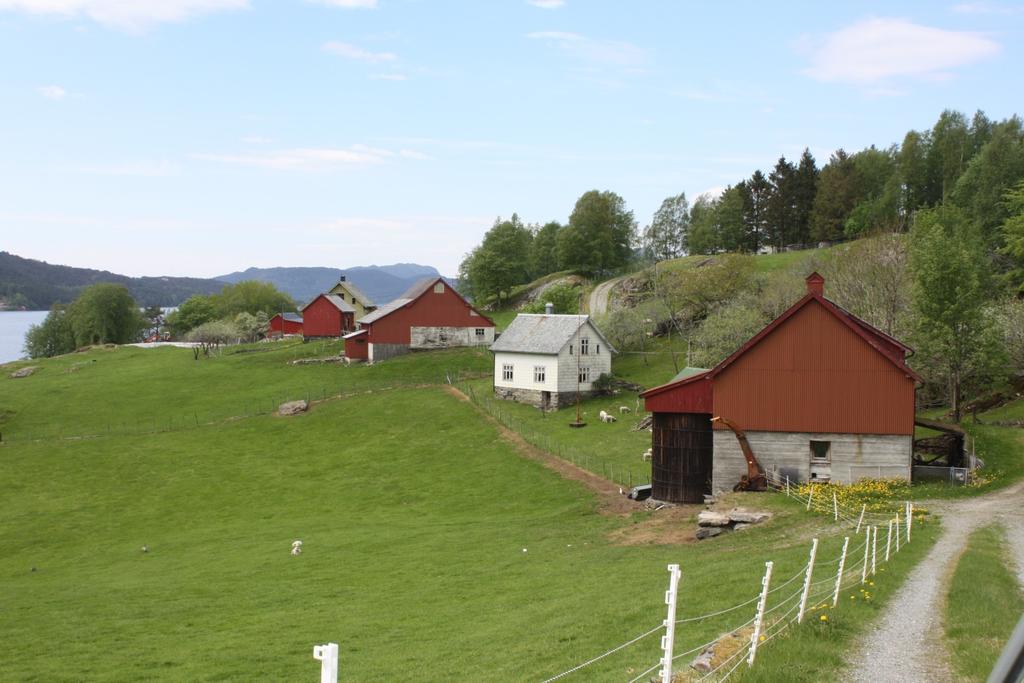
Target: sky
x: 200, y: 137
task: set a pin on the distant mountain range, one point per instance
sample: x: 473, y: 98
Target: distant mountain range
x: 37, y: 285
x: 380, y: 283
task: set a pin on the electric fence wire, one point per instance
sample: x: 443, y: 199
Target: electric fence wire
x: 602, y: 656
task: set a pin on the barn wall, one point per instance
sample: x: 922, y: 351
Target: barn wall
x: 853, y: 456
x: 814, y: 374
x: 356, y: 348
x: 692, y: 397
x: 378, y: 352
x: 681, y: 466
x: 445, y: 309
x: 445, y: 337
x: 321, y: 319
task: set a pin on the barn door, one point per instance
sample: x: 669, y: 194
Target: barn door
x: 682, y: 459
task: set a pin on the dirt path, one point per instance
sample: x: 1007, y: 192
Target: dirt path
x: 599, y: 301
x: 611, y: 502
x: 906, y: 642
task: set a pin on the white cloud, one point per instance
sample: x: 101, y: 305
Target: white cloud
x: 547, y: 4
x: 349, y: 51
x: 875, y: 50
x: 52, y: 92
x: 987, y: 8
x: 313, y: 158
x: 606, y: 52
x: 348, y: 4
x: 125, y: 15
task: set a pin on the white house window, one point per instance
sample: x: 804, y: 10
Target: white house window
x: 479, y: 333
x: 584, y: 375
x: 597, y: 349
x: 506, y: 372
x: 538, y: 374
x: 439, y: 288
x: 584, y: 346
x: 570, y: 349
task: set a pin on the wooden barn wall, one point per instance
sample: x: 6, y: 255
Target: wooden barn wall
x: 429, y: 310
x: 813, y: 374
x: 681, y: 466
x: 695, y: 397
x: 321, y: 319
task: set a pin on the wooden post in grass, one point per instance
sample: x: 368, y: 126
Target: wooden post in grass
x: 839, y: 574
x: 807, y: 581
x: 835, y: 507
x: 756, y: 635
x: 861, y: 518
x: 874, y: 548
x: 668, y: 640
x: 867, y: 547
x: 888, y: 541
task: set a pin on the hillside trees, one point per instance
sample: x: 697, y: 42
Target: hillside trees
x: 501, y: 261
x: 665, y: 238
x: 52, y: 337
x: 994, y: 171
x: 252, y: 297
x: 781, y: 207
x: 838, y: 191
x: 600, y: 234
x: 103, y: 313
x: 544, y: 250
x: 1013, y: 236
x: 193, y: 312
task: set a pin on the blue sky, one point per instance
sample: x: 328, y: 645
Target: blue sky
x: 198, y: 137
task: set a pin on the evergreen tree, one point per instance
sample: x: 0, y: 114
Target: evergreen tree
x: 996, y: 169
x: 782, y: 209
x: 837, y: 195
x: 805, y: 189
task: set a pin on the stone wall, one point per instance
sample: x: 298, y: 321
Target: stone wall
x: 446, y: 337
x: 852, y: 456
x: 535, y: 398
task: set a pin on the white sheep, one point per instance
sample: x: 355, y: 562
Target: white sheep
x: 605, y: 417
x: 648, y: 455
x: 625, y: 410
x: 297, y: 548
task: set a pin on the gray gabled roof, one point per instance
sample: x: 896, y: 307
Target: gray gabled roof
x: 358, y: 294
x: 541, y: 333
x: 292, y: 317
x: 339, y: 303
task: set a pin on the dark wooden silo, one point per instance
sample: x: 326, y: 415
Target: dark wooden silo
x: 683, y: 450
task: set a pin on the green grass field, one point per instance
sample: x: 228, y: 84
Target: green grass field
x: 983, y: 606
x: 414, y: 510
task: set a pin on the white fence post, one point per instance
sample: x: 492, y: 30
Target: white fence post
x: 809, y: 497
x: 861, y: 518
x: 910, y: 518
x: 867, y: 547
x: 897, y: 523
x: 888, y: 541
x: 874, y: 548
x: 835, y: 507
x: 787, y: 485
x: 328, y: 656
x: 760, y: 611
x: 807, y: 581
x: 668, y: 640
x: 839, y: 574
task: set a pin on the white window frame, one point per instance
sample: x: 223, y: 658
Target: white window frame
x: 480, y: 333
x: 507, y: 372
x: 584, y: 376
x: 585, y: 346
x: 439, y: 288
x: 539, y: 373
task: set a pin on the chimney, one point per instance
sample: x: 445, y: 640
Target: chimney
x: 816, y: 284
x: 549, y: 308
x: 341, y: 279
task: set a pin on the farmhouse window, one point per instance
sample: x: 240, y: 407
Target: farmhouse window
x: 597, y: 349
x: 584, y: 375
x: 480, y: 332
x: 570, y: 349
x: 820, y: 450
x: 538, y: 374
x: 584, y: 346
x: 506, y: 372
x: 439, y: 288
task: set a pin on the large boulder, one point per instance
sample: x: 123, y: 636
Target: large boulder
x: 711, y: 518
x: 24, y: 372
x: 709, y: 532
x: 748, y: 516
x: 292, y: 408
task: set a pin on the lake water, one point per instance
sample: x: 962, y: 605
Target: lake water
x: 13, y: 326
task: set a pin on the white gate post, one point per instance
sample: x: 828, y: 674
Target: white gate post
x: 809, y: 497
x: 807, y: 581
x: 861, y: 518
x: 910, y: 518
x: 839, y: 574
x: 888, y: 541
x: 867, y: 547
x: 760, y: 611
x: 874, y: 548
x: 328, y: 656
x: 835, y: 507
x: 668, y: 640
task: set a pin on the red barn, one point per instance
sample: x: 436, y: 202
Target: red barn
x: 328, y: 315
x: 430, y: 315
x: 820, y: 393
x: 286, y: 323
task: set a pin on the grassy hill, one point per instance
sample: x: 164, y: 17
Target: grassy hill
x: 415, y: 510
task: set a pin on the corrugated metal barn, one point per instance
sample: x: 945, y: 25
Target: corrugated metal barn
x: 286, y: 323
x: 820, y: 394
x: 328, y: 315
x: 429, y: 315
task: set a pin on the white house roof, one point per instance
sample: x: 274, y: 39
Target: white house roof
x: 543, y: 333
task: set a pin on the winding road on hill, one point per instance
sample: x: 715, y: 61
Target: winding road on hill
x: 906, y: 642
x: 600, y: 298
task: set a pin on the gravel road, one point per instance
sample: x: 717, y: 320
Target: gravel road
x: 905, y: 644
x: 598, y: 303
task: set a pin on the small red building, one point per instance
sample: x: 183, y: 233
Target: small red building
x: 286, y: 323
x: 328, y: 315
x: 430, y: 315
x: 820, y: 393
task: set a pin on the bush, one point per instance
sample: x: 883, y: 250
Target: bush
x: 603, y: 385
x: 565, y: 297
x: 52, y: 337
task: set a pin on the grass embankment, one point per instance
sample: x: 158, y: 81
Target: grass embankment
x: 983, y: 606
x: 414, y: 511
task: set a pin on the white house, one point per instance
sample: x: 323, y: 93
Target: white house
x: 539, y: 358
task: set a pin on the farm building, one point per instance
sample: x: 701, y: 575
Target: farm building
x: 286, y: 323
x: 541, y: 359
x: 819, y: 393
x: 328, y: 315
x: 429, y: 315
x: 348, y: 292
